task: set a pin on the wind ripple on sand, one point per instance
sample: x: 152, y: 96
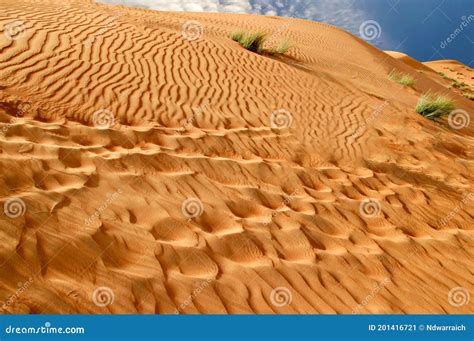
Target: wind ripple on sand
x: 278, y: 208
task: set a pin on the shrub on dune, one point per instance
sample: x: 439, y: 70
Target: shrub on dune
x: 237, y: 35
x: 434, y: 106
x: 407, y: 80
x: 255, y: 41
x: 252, y: 41
x: 282, y: 47
x: 402, y: 78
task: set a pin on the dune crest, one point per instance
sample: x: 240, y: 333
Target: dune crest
x: 150, y: 164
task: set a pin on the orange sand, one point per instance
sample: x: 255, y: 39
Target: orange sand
x: 281, y: 199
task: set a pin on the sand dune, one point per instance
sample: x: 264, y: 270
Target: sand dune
x: 152, y: 165
x: 451, y: 74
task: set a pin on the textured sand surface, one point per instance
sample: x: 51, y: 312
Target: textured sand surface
x: 452, y: 70
x: 347, y: 202
x: 450, y: 73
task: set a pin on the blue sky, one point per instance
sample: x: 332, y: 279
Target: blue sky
x: 420, y: 28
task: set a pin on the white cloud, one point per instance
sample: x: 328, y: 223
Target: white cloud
x: 233, y: 6
x: 341, y: 13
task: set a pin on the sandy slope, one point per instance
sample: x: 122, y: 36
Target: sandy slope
x: 450, y: 73
x: 460, y: 77
x: 454, y: 69
x: 281, y: 207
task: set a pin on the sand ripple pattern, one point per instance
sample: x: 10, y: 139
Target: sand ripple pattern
x: 151, y: 165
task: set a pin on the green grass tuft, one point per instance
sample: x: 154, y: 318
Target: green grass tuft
x: 255, y: 41
x: 407, y: 80
x: 402, y: 78
x: 237, y: 35
x: 283, y: 46
x: 434, y: 106
x: 252, y: 41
